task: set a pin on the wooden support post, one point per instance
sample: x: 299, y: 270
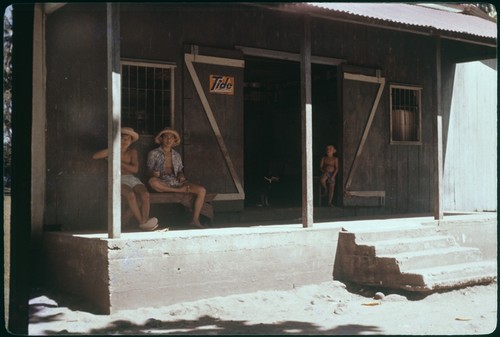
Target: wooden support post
x: 438, y: 213
x: 20, y: 266
x: 306, y: 116
x: 438, y: 145
x: 114, y: 116
x: 38, y: 166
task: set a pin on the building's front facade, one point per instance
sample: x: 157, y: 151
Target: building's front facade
x: 227, y: 77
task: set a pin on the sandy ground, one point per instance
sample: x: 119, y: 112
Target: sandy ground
x: 327, y: 308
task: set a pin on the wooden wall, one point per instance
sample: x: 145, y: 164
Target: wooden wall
x: 76, y: 116
x: 77, y: 97
x: 403, y: 171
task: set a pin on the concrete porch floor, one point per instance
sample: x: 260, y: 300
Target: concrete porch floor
x: 279, y: 215
x: 143, y: 269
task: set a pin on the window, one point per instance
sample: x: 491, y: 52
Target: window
x: 405, y: 114
x: 147, y: 96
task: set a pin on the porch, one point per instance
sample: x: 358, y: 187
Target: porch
x: 148, y: 269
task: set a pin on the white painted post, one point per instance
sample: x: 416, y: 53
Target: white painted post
x: 114, y: 120
x: 438, y: 139
x: 306, y: 116
x: 438, y: 213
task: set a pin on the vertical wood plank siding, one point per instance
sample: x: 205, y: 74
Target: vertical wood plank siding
x: 77, y: 99
x: 76, y: 117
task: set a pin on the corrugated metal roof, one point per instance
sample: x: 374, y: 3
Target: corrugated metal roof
x: 435, y: 17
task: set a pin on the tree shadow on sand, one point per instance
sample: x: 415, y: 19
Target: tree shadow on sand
x: 205, y: 325
x: 208, y: 325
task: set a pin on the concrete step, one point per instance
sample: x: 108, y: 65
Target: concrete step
x: 394, y: 233
x: 434, y: 257
x: 451, y: 276
x: 408, y: 255
x: 401, y: 245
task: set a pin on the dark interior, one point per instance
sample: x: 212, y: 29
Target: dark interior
x: 272, y: 122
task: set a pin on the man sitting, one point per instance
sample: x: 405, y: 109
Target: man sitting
x: 166, y: 171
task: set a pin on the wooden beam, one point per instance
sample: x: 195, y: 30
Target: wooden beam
x: 306, y: 116
x: 134, y: 62
x: 38, y: 164
x: 364, y: 78
x: 380, y: 194
x: 438, y: 146
x: 114, y: 120
x: 219, y: 61
x: 51, y: 7
x: 287, y: 56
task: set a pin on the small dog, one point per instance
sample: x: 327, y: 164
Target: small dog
x: 264, y: 197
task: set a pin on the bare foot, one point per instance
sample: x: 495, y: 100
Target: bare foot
x: 197, y: 225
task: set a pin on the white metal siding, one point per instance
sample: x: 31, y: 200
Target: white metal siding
x: 470, y: 166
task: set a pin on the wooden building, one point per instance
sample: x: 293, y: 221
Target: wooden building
x: 253, y: 89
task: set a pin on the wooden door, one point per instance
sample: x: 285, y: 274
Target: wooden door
x: 364, y: 138
x: 213, y: 122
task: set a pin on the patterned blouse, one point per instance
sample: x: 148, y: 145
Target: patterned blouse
x: 156, y: 162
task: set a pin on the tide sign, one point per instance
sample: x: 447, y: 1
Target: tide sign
x: 220, y: 84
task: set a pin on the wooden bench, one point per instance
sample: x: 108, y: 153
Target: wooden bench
x: 185, y: 199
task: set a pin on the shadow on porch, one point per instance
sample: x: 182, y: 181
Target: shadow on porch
x: 175, y: 217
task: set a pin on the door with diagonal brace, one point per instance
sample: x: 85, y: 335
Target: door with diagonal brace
x: 364, y: 138
x: 213, y: 123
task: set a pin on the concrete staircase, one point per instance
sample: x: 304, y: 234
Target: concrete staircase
x: 412, y: 257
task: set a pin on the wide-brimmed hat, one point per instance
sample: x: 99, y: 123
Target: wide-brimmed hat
x: 131, y: 133
x: 172, y: 132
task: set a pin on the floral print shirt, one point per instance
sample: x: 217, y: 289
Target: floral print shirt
x: 156, y: 162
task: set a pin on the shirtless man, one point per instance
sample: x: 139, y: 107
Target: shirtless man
x: 166, y: 171
x: 329, y: 167
x: 130, y: 184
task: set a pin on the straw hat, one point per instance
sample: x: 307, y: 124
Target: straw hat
x: 172, y: 132
x: 131, y: 133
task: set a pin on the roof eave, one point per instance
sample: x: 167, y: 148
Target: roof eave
x: 358, y: 20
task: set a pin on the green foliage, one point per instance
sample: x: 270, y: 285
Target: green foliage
x: 488, y: 8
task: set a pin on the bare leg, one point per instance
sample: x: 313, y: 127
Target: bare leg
x: 198, y: 190
x: 129, y: 194
x: 323, y: 180
x: 331, y: 188
x: 145, y: 206
x: 200, y: 193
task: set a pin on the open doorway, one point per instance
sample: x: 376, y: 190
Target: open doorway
x: 272, y: 132
x: 272, y: 127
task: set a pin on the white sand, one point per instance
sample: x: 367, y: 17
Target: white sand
x: 327, y: 308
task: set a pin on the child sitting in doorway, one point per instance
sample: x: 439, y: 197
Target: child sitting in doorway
x: 329, y: 167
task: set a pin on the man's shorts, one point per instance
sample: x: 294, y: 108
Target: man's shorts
x: 130, y: 180
x: 172, y: 181
x: 330, y: 179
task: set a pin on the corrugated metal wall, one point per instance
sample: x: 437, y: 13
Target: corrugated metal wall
x: 470, y: 166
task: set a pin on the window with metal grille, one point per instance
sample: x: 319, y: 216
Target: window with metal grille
x: 147, y: 96
x: 406, y: 114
